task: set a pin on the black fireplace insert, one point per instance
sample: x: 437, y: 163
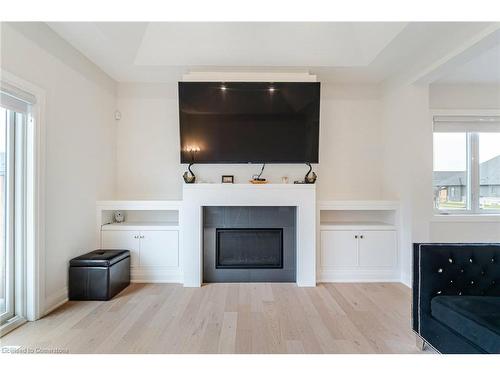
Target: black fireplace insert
x: 249, y: 248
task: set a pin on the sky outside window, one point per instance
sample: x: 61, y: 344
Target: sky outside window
x: 450, y: 151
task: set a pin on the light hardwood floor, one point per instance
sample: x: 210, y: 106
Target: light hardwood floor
x: 230, y: 318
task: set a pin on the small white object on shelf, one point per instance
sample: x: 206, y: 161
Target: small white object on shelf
x: 119, y: 217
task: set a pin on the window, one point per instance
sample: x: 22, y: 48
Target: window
x: 489, y: 171
x: 450, y: 171
x: 466, y: 173
x: 5, y: 296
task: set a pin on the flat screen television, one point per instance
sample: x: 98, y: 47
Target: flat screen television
x: 249, y: 122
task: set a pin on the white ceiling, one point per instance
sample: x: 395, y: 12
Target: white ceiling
x: 484, y: 68
x: 264, y: 44
x: 340, y: 52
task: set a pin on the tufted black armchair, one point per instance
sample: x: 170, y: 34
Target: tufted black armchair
x: 456, y: 296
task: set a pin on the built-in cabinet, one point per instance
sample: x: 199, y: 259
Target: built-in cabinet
x: 348, y: 248
x: 151, y: 233
x: 149, y: 248
x: 358, y: 241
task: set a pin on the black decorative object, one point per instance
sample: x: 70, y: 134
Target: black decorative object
x: 188, y: 176
x: 257, y: 179
x: 310, y: 177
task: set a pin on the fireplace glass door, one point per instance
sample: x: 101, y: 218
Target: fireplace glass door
x: 240, y: 248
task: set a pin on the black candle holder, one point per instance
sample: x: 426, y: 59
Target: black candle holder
x: 310, y: 177
x: 188, y: 176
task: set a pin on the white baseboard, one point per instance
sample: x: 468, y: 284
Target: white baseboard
x: 357, y: 275
x: 406, y: 279
x: 155, y: 275
x: 54, y: 300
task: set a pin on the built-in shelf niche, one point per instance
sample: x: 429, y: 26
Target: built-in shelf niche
x: 358, y: 217
x: 141, y: 218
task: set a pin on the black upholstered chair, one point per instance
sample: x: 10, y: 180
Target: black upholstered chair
x: 456, y: 297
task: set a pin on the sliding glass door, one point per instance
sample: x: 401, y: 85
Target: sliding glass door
x: 5, y: 302
x: 7, y: 275
x: 14, y: 114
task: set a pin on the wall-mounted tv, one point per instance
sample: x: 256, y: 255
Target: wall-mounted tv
x: 249, y: 122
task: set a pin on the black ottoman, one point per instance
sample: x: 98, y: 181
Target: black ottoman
x: 99, y: 275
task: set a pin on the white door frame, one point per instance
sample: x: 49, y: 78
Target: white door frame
x: 35, y: 197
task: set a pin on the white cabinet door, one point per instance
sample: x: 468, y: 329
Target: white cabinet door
x: 122, y: 239
x: 339, y: 248
x: 377, y: 248
x: 160, y: 248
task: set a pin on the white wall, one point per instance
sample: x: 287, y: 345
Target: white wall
x: 148, y: 145
x: 483, y: 231
x: 464, y: 96
x: 407, y: 165
x: 80, y: 132
x: 407, y: 168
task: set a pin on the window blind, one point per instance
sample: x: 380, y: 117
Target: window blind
x: 462, y: 124
x: 15, y: 99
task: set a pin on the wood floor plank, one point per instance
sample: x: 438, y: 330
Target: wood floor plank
x: 214, y: 319
x: 231, y: 318
x: 227, y: 337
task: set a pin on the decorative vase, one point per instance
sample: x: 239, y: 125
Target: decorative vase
x: 188, y: 176
x: 310, y: 177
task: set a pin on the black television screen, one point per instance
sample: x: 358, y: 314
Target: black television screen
x: 249, y: 122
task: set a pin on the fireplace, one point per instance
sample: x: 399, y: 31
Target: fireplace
x: 248, y: 248
x: 249, y: 244
x: 291, y: 205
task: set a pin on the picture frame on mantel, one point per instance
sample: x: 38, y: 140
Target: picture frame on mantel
x: 227, y: 179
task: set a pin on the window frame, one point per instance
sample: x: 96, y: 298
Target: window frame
x: 10, y: 254
x: 473, y: 167
x: 33, y: 272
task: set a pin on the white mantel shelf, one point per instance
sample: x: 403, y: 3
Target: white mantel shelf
x: 266, y: 193
x: 197, y: 196
x: 203, y: 186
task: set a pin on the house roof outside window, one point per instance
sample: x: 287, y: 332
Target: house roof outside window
x: 489, y: 175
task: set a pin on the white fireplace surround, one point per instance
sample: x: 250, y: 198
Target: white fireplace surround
x: 197, y: 196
